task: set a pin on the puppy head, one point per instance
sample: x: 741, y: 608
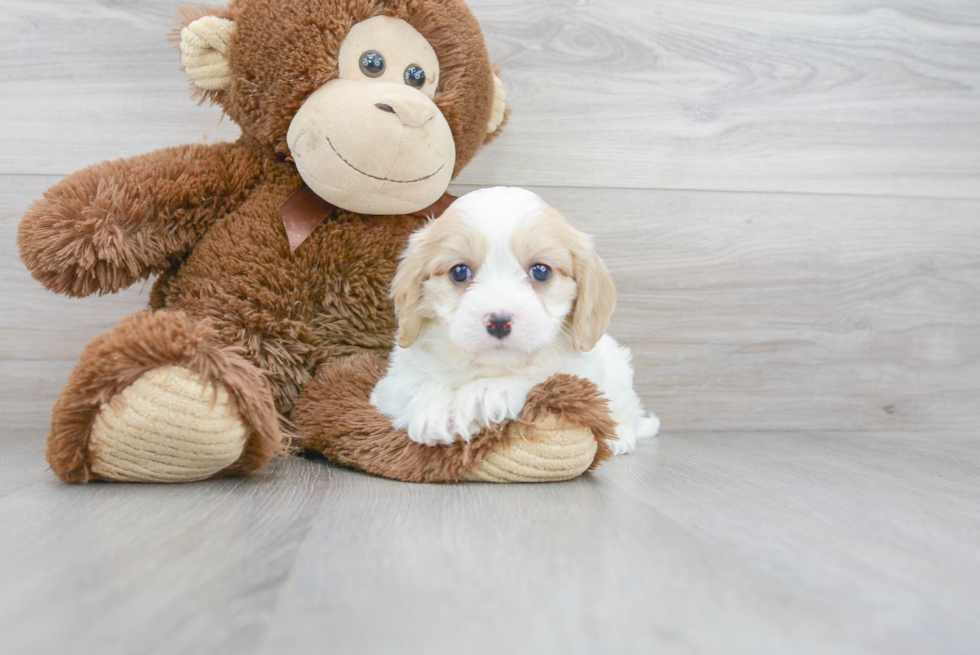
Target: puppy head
x: 504, y: 274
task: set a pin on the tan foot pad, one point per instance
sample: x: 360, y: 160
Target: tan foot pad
x: 168, y: 426
x: 541, y: 452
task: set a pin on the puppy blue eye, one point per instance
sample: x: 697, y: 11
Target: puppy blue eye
x: 414, y: 76
x: 372, y: 63
x: 460, y: 273
x: 540, y: 272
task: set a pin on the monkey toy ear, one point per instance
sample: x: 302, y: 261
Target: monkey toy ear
x: 500, y: 112
x: 204, y: 52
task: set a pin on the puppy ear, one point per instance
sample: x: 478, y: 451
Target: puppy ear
x: 596, y: 297
x: 406, y: 290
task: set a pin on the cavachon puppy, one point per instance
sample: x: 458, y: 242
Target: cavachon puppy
x: 494, y: 297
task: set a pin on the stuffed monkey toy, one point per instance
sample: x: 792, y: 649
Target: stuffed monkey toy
x: 269, y: 322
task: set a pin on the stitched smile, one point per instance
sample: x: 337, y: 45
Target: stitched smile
x: 383, y: 179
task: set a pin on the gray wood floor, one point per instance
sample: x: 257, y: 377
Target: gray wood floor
x: 788, y: 196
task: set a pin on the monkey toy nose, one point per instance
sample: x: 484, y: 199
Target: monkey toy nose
x: 499, y: 325
x: 412, y: 108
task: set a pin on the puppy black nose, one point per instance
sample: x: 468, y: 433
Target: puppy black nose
x: 499, y: 325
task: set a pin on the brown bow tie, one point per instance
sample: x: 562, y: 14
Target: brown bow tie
x: 303, y: 211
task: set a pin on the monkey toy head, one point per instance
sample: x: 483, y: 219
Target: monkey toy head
x: 380, y: 103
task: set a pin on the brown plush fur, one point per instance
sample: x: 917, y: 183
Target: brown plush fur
x: 282, y: 52
x: 116, y: 223
x: 232, y: 303
x: 113, y: 361
x: 337, y: 419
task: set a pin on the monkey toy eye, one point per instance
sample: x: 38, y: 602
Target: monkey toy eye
x: 540, y: 272
x: 460, y: 273
x: 372, y: 63
x: 414, y: 76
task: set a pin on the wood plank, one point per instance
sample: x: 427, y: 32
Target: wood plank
x: 744, y: 311
x: 840, y: 520
x: 770, y: 312
x: 711, y: 543
x: 192, y: 568
x: 105, y: 84
x: 638, y: 559
x: 846, y: 96
x: 815, y: 356
x: 563, y: 568
x: 849, y: 96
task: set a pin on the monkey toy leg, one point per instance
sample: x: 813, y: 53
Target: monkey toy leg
x: 561, y: 433
x: 157, y: 400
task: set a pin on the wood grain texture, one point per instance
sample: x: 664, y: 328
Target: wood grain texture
x: 844, y: 96
x: 186, y: 568
x: 795, y: 542
x: 808, y: 331
x: 88, y: 81
x: 764, y: 311
x: 719, y: 543
x: 838, y: 97
x: 744, y: 311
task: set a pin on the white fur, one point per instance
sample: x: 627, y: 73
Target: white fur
x: 456, y: 378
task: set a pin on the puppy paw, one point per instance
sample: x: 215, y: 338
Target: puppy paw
x: 643, y: 426
x: 438, y: 425
x: 647, y: 426
x: 625, y: 441
x: 484, y: 402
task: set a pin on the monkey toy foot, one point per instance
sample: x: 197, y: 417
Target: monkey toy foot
x: 155, y: 400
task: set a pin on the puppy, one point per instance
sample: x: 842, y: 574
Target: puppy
x: 493, y: 298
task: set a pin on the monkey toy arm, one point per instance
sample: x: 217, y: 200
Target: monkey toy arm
x: 563, y: 431
x: 112, y: 224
